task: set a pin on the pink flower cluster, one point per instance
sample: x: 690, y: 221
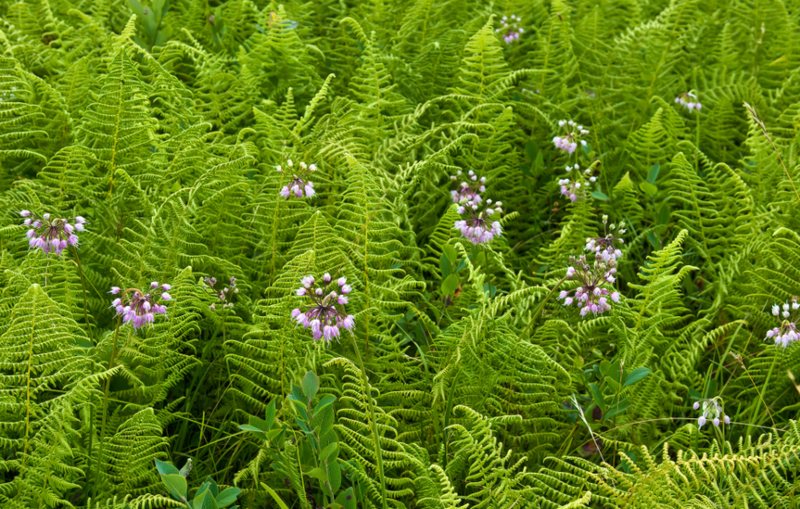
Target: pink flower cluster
x: 480, y: 218
x: 577, y: 186
x: 787, y: 332
x: 712, y: 409
x: 595, y: 291
x: 225, y: 294
x: 468, y: 191
x: 510, y: 28
x: 51, y: 234
x: 139, y: 308
x: 689, y: 101
x: 605, y: 248
x: 570, y: 137
x: 326, y: 313
x: 299, y: 186
x: 480, y: 224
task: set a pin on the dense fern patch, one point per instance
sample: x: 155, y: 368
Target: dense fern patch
x: 391, y: 254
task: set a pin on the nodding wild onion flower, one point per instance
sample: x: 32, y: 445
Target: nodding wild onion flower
x: 326, y: 313
x: 479, y: 218
x: 570, y: 137
x: 225, y: 294
x: 480, y: 223
x: 579, y: 184
x: 596, y: 291
x: 712, y: 410
x: 510, y: 28
x: 139, y: 308
x: 300, y: 186
x: 468, y: 190
x: 689, y: 101
x: 787, y: 332
x: 50, y: 234
x: 605, y: 247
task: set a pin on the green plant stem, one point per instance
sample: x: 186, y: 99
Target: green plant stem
x: 83, y: 287
x: 104, y: 417
x: 373, y: 425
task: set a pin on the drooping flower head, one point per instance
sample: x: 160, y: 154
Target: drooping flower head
x: 325, y: 313
x: 225, y: 294
x: 570, y: 136
x: 578, y: 182
x: 138, y: 307
x: 606, y: 248
x: 479, y: 222
x: 50, y: 234
x: 711, y: 411
x: 468, y: 190
x: 595, y: 291
x: 299, y: 186
x: 787, y: 332
x: 689, y: 101
x: 510, y: 28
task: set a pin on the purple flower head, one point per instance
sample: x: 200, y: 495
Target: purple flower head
x: 689, y: 101
x: 137, y: 307
x: 595, y: 291
x: 578, y: 182
x: 50, y: 234
x: 711, y: 411
x: 570, y: 136
x: 324, y: 314
x: 299, y: 186
x: 510, y: 28
x: 479, y: 222
x: 469, y: 189
x: 224, y: 295
x: 606, y: 248
x: 787, y: 333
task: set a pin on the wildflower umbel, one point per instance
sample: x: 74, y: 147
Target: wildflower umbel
x: 510, y: 28
x: 711, y: 411
x: 138, y: 307
x: 225, y: 294
x: 606, y: 247
x: 468, y: 190
x: 50, y: 234
x: 577, y: 186
x: 689, y: 101
x: 787, y: 332
x: 595, y: 292
x: 570, y: 137
x: 300, y: 186
x: 480, y: 221
x: 326, y: 313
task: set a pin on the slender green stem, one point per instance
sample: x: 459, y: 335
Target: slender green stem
x: 83, y: 286
x: 106, y: 389
x: 544, y: 301
x: 373, y: 425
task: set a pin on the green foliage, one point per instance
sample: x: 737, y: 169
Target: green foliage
x: 465, y: 381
